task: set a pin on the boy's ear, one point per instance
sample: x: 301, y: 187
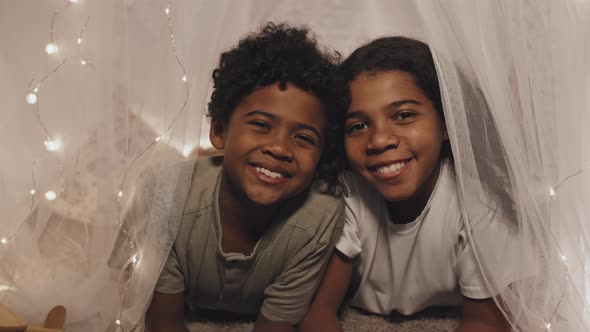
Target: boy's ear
x: 217, y: 133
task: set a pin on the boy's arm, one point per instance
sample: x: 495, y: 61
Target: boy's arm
x: 166, y: 313
x: 322, y: 316
x: 482, y: 316
x: 264, y: 325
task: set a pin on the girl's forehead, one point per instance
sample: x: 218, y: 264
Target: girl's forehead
x: 377, y: 90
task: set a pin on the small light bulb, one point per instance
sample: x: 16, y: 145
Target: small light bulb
x: 50, y: 195
x: 73, y: 1
x: 551, y: 191
x: 186, y: 151
x: 52, y: 144
x: 548, y: 326
x: 157, y: 139
x: 118, y: 322
x: 79, y: 40
x: 563, y: 258
x: 83, y: 62
x: 167, y: 10
x: 134, y: 259
x: 32, y: 191
x: 184, y: 78
x: 3, y: 240
x: 31, y: 98
x: 35, y: 90
x: 51, y: 48
x: 120, y: 193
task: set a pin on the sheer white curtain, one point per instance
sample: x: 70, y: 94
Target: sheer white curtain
x: 119, y: 103
x: 516, y: 83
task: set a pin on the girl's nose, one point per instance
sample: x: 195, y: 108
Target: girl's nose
x: 382, y: 139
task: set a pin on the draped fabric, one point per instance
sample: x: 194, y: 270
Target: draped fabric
x: 125, y: 96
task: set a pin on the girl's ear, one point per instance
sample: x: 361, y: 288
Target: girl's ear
x: 217, y: 133
x: 445, y: 133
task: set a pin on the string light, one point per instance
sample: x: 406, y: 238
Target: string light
x: 120, y: 193
x: 79, y: 41
x: 3, y: 240
x: 32, y: 191
x: 74, y: 1
x: 552, y: 194
x: 50, y: 195
x: 31, y: 98
x: 187, y: 95
x: 52, y: 144
x: 51, y: 48
x: 83, y: 62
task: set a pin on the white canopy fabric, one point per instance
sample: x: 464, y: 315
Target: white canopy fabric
x: 128, y: 87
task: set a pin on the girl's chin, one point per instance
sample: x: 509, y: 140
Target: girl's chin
x: 395, y: 196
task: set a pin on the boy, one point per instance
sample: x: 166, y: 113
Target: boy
x: 254, y: 237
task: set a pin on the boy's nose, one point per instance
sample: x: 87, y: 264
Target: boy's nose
x: 278, y: 148
x: 382, y: 140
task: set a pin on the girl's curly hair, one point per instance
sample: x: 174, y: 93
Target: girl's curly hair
x: 280, y: 53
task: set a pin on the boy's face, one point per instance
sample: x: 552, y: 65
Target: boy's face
x: 273, y: 143
x: 393, y: 134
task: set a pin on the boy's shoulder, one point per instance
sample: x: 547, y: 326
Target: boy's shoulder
x: 207, y: 169
x: 318, y: 211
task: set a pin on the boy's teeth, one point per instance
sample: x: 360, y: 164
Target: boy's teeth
x: 391, y: 168
x: 268, y: 172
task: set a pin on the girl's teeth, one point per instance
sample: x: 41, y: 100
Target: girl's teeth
x: 268, y: 172
x: 391, y: 168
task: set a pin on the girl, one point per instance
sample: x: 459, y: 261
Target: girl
x: 405, y: 244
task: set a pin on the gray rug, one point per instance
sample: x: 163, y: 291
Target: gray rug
x: 432, y: 320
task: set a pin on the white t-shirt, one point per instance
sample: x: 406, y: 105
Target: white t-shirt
x: 408, y: 267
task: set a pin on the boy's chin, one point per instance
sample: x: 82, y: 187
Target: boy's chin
x: 266, y: 199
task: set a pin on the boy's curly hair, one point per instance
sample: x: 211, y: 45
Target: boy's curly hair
x: 280, y: 53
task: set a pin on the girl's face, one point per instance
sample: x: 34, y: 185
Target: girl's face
x: 394, y: 135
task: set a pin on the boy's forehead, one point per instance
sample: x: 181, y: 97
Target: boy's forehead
x: 292, y: 104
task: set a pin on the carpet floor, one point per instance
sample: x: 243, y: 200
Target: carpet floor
x: 353, y: 320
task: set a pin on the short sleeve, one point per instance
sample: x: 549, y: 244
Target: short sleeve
x: 484, y: 264
x: 349, y: 242
x: 171, y: 280
x: 289, y: 296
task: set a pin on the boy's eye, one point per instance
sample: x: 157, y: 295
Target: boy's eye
x: 355, y: 127
x: 305, y: 138
x: 260, y: 124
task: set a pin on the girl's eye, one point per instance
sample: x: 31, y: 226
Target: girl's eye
x: 355, y: 127
x: 260, y: 124
x: 404, y: 116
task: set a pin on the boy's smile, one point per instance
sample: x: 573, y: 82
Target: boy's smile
x: 393, y: 135
x: 272, y: 144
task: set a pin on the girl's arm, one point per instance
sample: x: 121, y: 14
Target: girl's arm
x: 482, y: 316
x: 322, y: 316
x: 166, y: 313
